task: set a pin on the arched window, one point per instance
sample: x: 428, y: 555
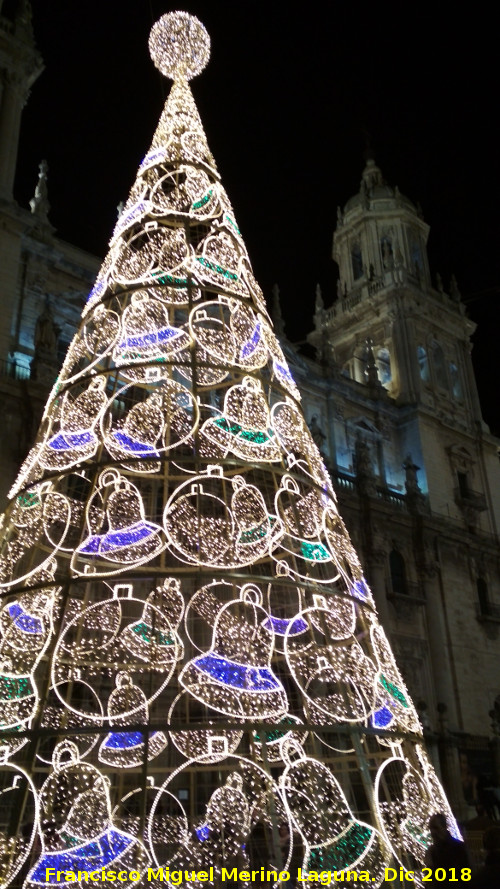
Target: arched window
x: 439, y: 366
x: 384, y: 366
x: 463, y: 484
x: 423, y: 364
x: 417, y: 265
x: 456, y: 385
x: 482, y: 595
x: 357, y: 262
x: 397, y: 568
x: 387, y: 253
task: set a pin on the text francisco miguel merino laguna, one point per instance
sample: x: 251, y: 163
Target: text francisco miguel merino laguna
x: 177, y: 877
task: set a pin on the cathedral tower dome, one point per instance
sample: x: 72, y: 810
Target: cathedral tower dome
x: 378, y: 231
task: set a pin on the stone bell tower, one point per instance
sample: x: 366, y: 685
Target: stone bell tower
x: 405, y: 341
x: 388, y: 311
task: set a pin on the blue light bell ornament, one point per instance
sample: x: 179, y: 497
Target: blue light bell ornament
x: 76, y: 438
x: 333, y: 839
x: 119, y: 533
x: 137, y: 208
x: 244, y: 426
x: 281, y: 371
x: 213, y: 743
x: 284, y: 604
x: 147, y: 336
x: 126, y: 749
x: 248, y: 330
x: 78, y: 831
x: 134, y: 440
x: 235, y: 676
x: 161, y: 423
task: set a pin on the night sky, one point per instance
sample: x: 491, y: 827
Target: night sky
x: 288, y: 101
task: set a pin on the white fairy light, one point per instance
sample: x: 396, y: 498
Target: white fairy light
x: 78, y: 833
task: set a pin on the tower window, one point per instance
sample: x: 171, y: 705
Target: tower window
x: 439, y: 366
x: 456, y: 385
x: 416, y: 257
x: 463, y: 484
x: 423, y: 364
x: 384, y: 366
x: 387, y: 254
x: 397, y: 568
x: 482, y: 595
x: 357, y: 262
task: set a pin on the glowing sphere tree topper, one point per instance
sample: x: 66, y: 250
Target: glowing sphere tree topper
x: 179, y: 45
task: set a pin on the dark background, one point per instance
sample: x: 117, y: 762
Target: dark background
x: 287, y: 101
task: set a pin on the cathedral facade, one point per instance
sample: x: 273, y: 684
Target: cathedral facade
x: 391, y: 402
x: 393, y: 405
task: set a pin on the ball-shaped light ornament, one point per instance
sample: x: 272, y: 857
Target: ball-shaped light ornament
x: 179, y: 45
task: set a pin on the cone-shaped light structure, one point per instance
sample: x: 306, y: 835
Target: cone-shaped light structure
x: 192, y: 672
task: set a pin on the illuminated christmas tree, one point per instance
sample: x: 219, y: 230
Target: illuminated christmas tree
x: 192, y: 672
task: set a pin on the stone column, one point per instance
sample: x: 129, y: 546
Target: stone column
x: 438, y: 647
x: 13, y: 100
